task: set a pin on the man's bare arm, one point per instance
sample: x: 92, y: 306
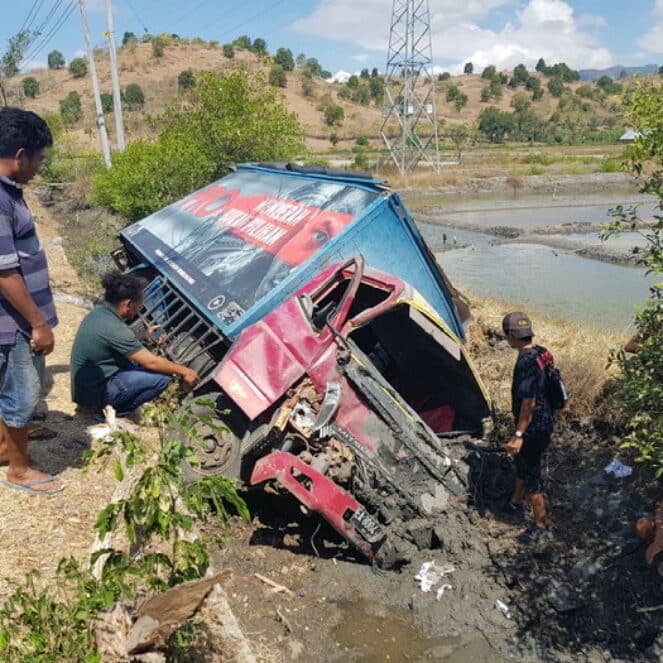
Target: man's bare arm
x: 159, y: 364
x: 13, y: 289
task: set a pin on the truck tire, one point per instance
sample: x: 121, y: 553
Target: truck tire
x: 218, y: 446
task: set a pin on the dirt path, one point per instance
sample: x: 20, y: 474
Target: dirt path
x: 39, y: 531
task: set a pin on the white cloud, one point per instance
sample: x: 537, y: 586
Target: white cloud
x: 591, y: 20
x: 652, y: 40
x: 363, y: 57
x: 540, y: 28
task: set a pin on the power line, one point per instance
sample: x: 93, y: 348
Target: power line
x: 41, y: 43
x: 135, y: 13
x: 256, y: 15
x: 32, y: 15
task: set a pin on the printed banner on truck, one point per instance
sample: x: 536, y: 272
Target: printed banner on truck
x: 232, y: 242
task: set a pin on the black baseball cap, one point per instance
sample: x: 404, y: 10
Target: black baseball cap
x: 517, y: 324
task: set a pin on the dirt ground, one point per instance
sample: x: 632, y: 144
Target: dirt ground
x: 586, y: 596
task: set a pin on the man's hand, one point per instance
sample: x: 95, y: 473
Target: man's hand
x: 42, y: 339
x: 190, y: 377
x: 514, y: 445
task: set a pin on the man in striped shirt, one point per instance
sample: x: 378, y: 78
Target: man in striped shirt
x: 27, y: 312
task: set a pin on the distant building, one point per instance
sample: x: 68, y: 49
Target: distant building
x: 630, y: 136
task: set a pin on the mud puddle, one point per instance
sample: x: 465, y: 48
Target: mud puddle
x: 366, y: 636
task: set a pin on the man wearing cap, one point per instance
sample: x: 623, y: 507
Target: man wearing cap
x: 533, y: 416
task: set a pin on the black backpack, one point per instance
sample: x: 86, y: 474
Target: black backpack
x: 555, y: 389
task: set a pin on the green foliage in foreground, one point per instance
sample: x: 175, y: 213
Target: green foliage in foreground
x: 55, y: 623
x: 639, y: 389
x: 229, y: 119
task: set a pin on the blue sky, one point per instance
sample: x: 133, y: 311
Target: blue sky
x: 351, y: 34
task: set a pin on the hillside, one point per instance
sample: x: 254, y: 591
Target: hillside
x: 158, y: 80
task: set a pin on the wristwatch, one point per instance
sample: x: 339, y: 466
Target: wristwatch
x: 518, y: 434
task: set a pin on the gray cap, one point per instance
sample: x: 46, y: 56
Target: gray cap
x: 517, y: 324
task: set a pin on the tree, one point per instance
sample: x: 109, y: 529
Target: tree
x: 134, y: 97
x: 78, y: 67
x: 485, y: 94
x: 259, y: 46
x: 71, y: 109
x: 308, y: 87
x: 55, y: 60
x: 541, y: 66
x: 277, y: 76
x: 520, y: 102
x: 520, y: 76
x: 375, y: 73
x: 495, y: 124
x: 452, y: 92
x: 638, y: 390
x: 444, y: 76
x: 300, y: 60
x: 128, y: 38
x: 229, y: 118
x: 488, y: 72
x: 186, y: 80
x: 30, y: 87
x: 460, y: 102
x: 228, y: 51
x: 243, y: 41
x: 468, y: 68
x: 283, y: 56
x: 10, y: 62
x: 364, y: 74
x: 556, y: 87
x: 314, y: 67
x: 376, y: 87
x: 106, y: 102
x: 461, y: 135
x: 353, y: 82
x: 334, y: 115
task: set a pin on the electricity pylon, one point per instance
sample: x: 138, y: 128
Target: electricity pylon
x: 409, y: 129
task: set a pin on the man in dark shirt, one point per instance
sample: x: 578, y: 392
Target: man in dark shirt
x: 27, y: 312
x: 109, y: 365
x: 533, y: 416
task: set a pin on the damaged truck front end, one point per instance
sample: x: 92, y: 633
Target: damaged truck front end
x: 352, y: 380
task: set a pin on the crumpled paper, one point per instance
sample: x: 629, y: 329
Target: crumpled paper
x: 431, y: 575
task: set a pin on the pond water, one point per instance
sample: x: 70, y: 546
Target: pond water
x: 529, y: 211
x: 539, y: 278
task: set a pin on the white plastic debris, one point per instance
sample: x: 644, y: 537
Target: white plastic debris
x: 430, y: 575
x: 618, y: 468
x: 503, y: 608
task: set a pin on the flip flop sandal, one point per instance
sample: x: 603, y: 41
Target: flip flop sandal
x: 28, y: 486
x: 41, y: 433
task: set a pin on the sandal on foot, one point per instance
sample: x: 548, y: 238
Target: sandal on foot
x: 39, y: 432
x: 28, y: 486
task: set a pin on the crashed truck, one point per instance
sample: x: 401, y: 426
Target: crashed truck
x: 329, y: 340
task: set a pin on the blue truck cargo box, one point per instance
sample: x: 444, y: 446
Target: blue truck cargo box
x: 240, y: 246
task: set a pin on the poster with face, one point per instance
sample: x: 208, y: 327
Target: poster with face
x: 233, y: 241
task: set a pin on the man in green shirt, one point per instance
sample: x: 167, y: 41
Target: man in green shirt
x: 109, y: 365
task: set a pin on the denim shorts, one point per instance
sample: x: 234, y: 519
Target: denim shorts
x: 21, y: 378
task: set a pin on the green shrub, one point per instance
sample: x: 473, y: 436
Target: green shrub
x: 228, y: 51
x: 610, y: 165
x: 537, y: 157
x: 78, y: 67
x: 229, y: 119
x: 186, y: 80
x: 71, y: 109
x: 55, y: 60
x: 334, y: 115
x: 30, y: 87
x: 134, y: 97
x: 639, y: 389
x: 158, y: 47
x: 277, y: 76
x: 106, y: 102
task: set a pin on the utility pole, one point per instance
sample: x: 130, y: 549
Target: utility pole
x: 101, y: 123
x: 409, y: 91
x: 117, y: 95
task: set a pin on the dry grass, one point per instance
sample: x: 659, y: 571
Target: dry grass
x: 580, y: 353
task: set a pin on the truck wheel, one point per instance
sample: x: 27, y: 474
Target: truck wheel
x: 218, y: 446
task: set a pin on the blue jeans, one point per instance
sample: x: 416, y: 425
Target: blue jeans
x: 21, y: 377
x: 128, y: 390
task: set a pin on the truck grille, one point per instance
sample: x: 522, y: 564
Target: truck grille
x: 190, y: 338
